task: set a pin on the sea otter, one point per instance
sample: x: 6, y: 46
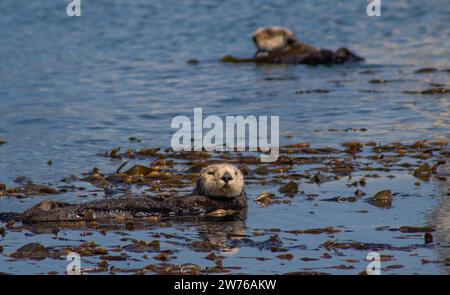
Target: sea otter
x: 276, y: 45
x: 219, y: 192
x: 440, y: 219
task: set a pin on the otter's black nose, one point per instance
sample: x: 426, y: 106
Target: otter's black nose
x: 226, y: 177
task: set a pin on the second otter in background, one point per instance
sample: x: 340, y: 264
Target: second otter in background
x: 279, y: 45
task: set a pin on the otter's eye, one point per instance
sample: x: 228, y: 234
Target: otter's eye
x: 210, y: 173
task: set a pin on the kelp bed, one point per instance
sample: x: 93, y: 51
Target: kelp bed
x: 373, y: 190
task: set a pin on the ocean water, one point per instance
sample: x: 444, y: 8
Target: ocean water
x: 73, y: 88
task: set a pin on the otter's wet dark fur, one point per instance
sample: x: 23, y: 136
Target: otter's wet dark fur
x: 130, y: 207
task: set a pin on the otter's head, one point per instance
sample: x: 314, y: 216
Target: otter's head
x: 220, y: 181
x: 272, y: 40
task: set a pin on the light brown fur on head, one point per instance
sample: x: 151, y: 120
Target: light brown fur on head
x: 273, y: 39
x: 220, y: 180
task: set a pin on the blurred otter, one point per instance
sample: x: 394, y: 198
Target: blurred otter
x: 219, y: 188
x: 276, y: 40
x: 279, y: 45
x: 440, y: 219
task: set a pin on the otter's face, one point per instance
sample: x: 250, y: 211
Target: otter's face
x: 272, y: 39
x: 221, y: 180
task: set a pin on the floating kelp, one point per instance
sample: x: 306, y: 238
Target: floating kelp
x: 286, y: 256
x: 360, y: 246
x: 27, y: 190
x: 382, y: 199
x: 423, y: 172
x: 289, y: 189
x: 426, y: 70
x: 346, y: 174
x: 315, y: 231
x: 33, y: 251
x: 143, y: 246
x: 431, y: 91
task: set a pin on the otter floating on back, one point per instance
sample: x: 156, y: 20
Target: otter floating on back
x: 219, y: 188
x: 276, y: 45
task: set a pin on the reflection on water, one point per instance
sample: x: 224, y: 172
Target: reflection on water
x: 72, y: 88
